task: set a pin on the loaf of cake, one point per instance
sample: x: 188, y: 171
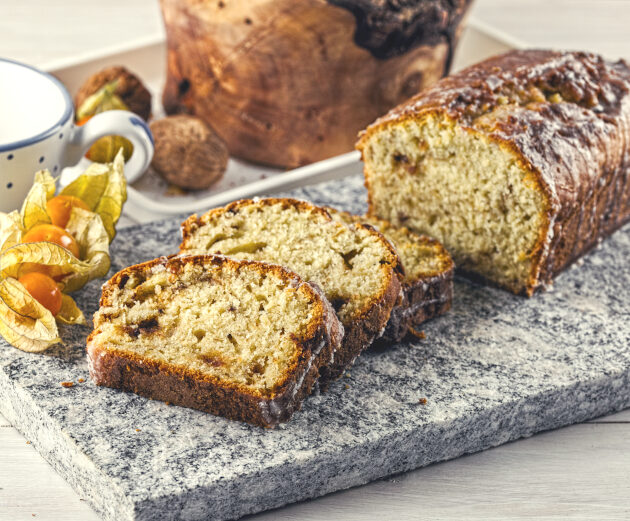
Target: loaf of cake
x: 518, y: 165
x: 240, y: 339
x: 428, y: 282
x: 356, y: 267
x: 289, y: 82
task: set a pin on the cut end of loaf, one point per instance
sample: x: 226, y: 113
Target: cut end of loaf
x: 421, y: 256
x: 236, y: 325
x: 471, y: 192
x: 354, y: 266
x: 428, y: 283
x: 357, y: 268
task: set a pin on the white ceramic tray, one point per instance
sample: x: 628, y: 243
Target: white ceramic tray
x: 148, y: 60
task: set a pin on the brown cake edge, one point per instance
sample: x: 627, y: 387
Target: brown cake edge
x: 360, y: 332
x: 534, y: 280
x: 425, y: 299
x: 571, y: 228
x: 187, y: 388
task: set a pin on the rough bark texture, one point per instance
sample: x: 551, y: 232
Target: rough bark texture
x: 287, y: 83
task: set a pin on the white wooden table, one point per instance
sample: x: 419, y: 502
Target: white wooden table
x: 579, y: 472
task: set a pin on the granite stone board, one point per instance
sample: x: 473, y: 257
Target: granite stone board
x: 496, y: 368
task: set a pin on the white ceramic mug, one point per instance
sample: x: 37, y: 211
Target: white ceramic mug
x: 37, y: 131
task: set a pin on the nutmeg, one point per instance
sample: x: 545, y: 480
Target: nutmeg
x: 188, y: 153
x: 129, y: 89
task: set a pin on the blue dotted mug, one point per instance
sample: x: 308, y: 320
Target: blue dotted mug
x: 37, y: 131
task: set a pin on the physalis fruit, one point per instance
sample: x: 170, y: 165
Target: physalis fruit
x: 53, y: 246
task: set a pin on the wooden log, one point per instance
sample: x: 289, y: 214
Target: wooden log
x: 287, y: 82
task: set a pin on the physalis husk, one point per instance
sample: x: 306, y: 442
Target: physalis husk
x: 104, y: 99
x: 24, y: 322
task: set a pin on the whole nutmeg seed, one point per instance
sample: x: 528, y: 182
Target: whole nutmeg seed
x: 188, y: 153
x: 128, y: 88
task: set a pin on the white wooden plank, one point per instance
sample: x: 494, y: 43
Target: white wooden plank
x: 38, y: 31
x: 30, y: 489
x: 620, y: 417
x: 599, y: 26
x: 580, y: 472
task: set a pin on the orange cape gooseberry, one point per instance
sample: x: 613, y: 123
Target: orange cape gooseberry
x: 52, y: 233
x: 60, y: 207
x: 43, y: 289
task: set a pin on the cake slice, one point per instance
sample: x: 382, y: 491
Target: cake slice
x: 428, y: 282
x: 518, y: 165
x: 240, y: 339
x: 356, y: 267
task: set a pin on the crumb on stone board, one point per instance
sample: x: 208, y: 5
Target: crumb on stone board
x: 67, y: 384
x: 417, y: 334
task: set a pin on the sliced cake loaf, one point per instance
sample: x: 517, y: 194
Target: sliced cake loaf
x: 518, y: 165
x: 357, y: 268
x: 240, y: 339
x: 428, y: 282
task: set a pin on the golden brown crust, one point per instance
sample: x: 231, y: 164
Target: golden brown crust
x: 114, y: 367
x: 372, y: 319
x: 369, y: 322
x: 361, y: 332
x: 423, y: 300
x: 572, y: 136
x: 424, y: 297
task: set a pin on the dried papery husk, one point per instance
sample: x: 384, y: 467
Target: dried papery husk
x: 105, y: 149
x: 70, y: 312
x: 102, y: 100
x: 104, y: 189
x: 11, y: 229
x: 24, y: 322
x: 34, y: 206
x: 89, y: 231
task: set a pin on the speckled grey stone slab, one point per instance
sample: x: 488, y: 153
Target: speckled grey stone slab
x: 496, y: 368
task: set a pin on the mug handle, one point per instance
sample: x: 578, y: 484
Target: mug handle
x: 119, y: 123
